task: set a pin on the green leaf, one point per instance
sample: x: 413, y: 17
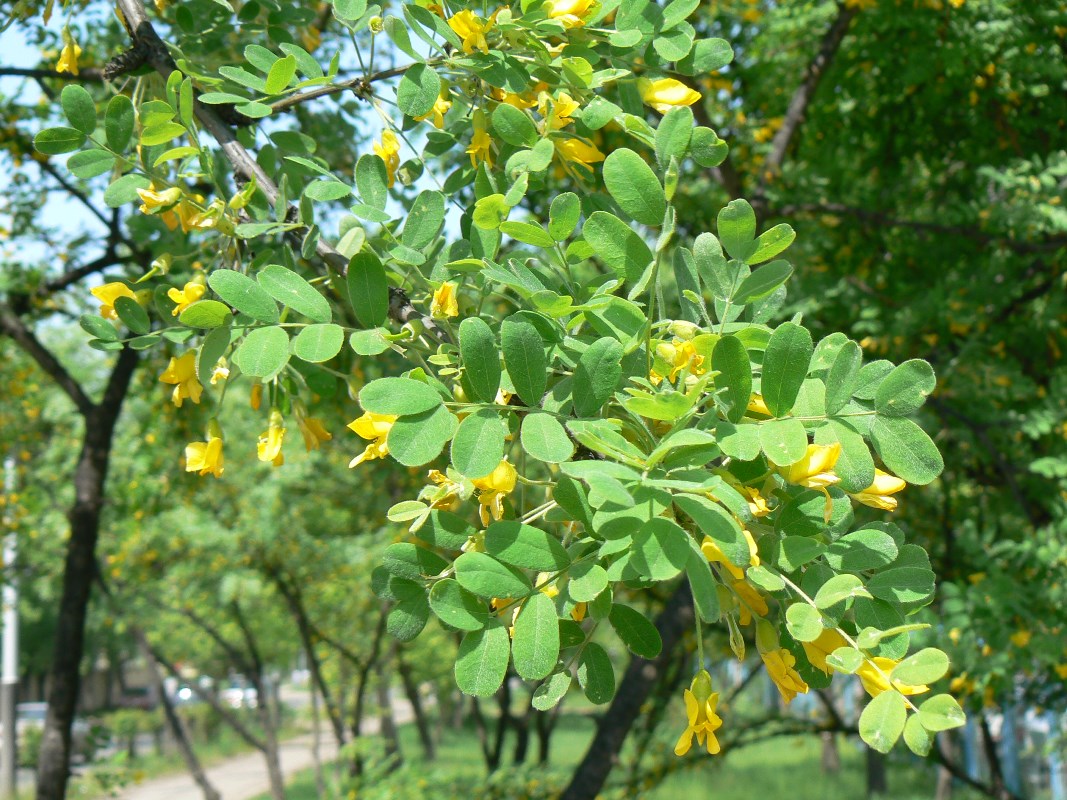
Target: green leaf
x: 535, y: 644
x: 738, y: 441
x: 349, y: 9
x: 55, y: 141
x: 635, y: 630
x: 411, y: 561
x: 674, y: 45
x: 161, y: 133
x: 772, y: 242
x: 785, y: 365
x: 214, y: 347
x: 563, y: 214
x: 97, y: 326
x: 368, y: 289
x: 906, y: 449
x: 263, y: 353
x: 456, y: 607
x: 418, y: 439
x: 486, y: 577
x: 673, y: 134
x: 882, y: 721
x: 862, y: 550
x: 596, y: 376
x: 131, y: 313
x: 526, y: 232
x: 544, y: 438
x: 372, y: 180
x: 398, y: 396
x: 905, y: 389
x: 326, y: 190
x: 712, y: 267
x: 941, y: 713
x: 618, y: 245
x: 479, y: 443
x: 784, y: 441
x: 408, y: 615
x: 635, y: 187
x: 796, y: 551
x: 839, y: 589
x: 424, y: 220
x: 124, y: 190
x: 586, y: 581
x: 702, y: 584
x: 481, y: 359
x: 842, y: 377
x: 660, y: 549
x: 419, y: 89
x: 482, y: 661
x: 916, y: 737
x: 524, y: 357
x: 370, y: 342
x: 737, y: 229
x: 281, y: 74
x: 548, y: 694
x: 734, y: 379
x: 514, y: 126
x: 706, y: 148
x: 119, y: 119
x: 903, y: 585
x: 90, y: 163
x: 803, y: 622
x: 595, y: 674
x: 318, y: 343
x: 525, y: 546
x: 846, y: 660
x: 924, y: 667
x: 763, y: 282
x: 79, y: 107
x: 707, y: 55
x: 205, y: 314
x: 244, y: 294
x: 291, y: 290
x: 716, y: 523
x: 854, y: 466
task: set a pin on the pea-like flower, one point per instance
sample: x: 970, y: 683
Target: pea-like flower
x: 108, y: 294
x: 445, y: 303
x: 493, y: 488
x: 879, y: 493
x: 375, y: 427
x: 205, y: 457
x: 181, y: 373
x: 186, y: 296
x: 666, y: 93
x: 389, y: 152
x: 701, y: 719
x: 874, y: 675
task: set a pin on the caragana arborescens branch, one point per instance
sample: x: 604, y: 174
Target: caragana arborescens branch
x: 618, y: 408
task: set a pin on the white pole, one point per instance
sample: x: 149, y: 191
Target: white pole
x: 9, y: 671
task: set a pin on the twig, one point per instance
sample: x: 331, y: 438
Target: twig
x: 90, y: 75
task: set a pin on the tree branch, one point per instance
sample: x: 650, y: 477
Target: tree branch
x: 798, y: 106
x: 13, y: 325
x: 90, y: 75
x: 359, y: 85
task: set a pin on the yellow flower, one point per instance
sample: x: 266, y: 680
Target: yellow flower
x: 444, y: 302
x: 752, y: 602
x: 817, y: 651
x: 220, y: 372
x: 578, y: 151
x: 701, y: 719
x: 578, y: 612
x: 877, y: 495
x: 186, y: 296
x: 181, y: 373
x: 571, y: 13
x: 757, y: 503
x: 389, y: 151
x: 666, y: 93
x: 815, y: 469
x: 873, y: 676
x: 269, y: 447
x: 1061, y: 670
x: 446, y: 496
x: 471, y: 29
x: 557, y: 113
x: 375, y: 427
x: 481, y: 142
x: 314, y: 433
x: 713, y: 553
x: 493, y: 488
x: 1021, y: 638
x: 205, y: 457
x: 153, y: 202
x: 521, y: 101
x: 681, y: 355
x: 68, y: 56
x: 311, y: 38
x: 758, y: 406
x: 440, y: 107
x: 780, y: 666
x: 108, y: 294
x: 255, y: 397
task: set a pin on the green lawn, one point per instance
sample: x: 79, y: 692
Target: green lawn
x: 787, y: 767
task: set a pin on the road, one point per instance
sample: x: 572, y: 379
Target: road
x: 245, y: 777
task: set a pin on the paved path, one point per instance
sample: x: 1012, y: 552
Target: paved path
x: 245, y: 777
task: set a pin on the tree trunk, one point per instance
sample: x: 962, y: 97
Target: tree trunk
x: 636, y: 685
x: 387, y: 723
x: 362, y: 679
x: 522, y: 734
x: 411, y: 691
x: 316, y: 742
x: 944, y: 777
x: 177, y: 727
x: 79, y: 571
x: 831, y: 757
x: 877, y: 782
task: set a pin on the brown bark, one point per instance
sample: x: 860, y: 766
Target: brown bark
x: 411, y: 691
x: 877, y: 780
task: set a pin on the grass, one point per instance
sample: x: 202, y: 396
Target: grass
x: 784, y: 767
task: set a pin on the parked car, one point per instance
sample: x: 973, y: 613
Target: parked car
x: 31, y: 717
